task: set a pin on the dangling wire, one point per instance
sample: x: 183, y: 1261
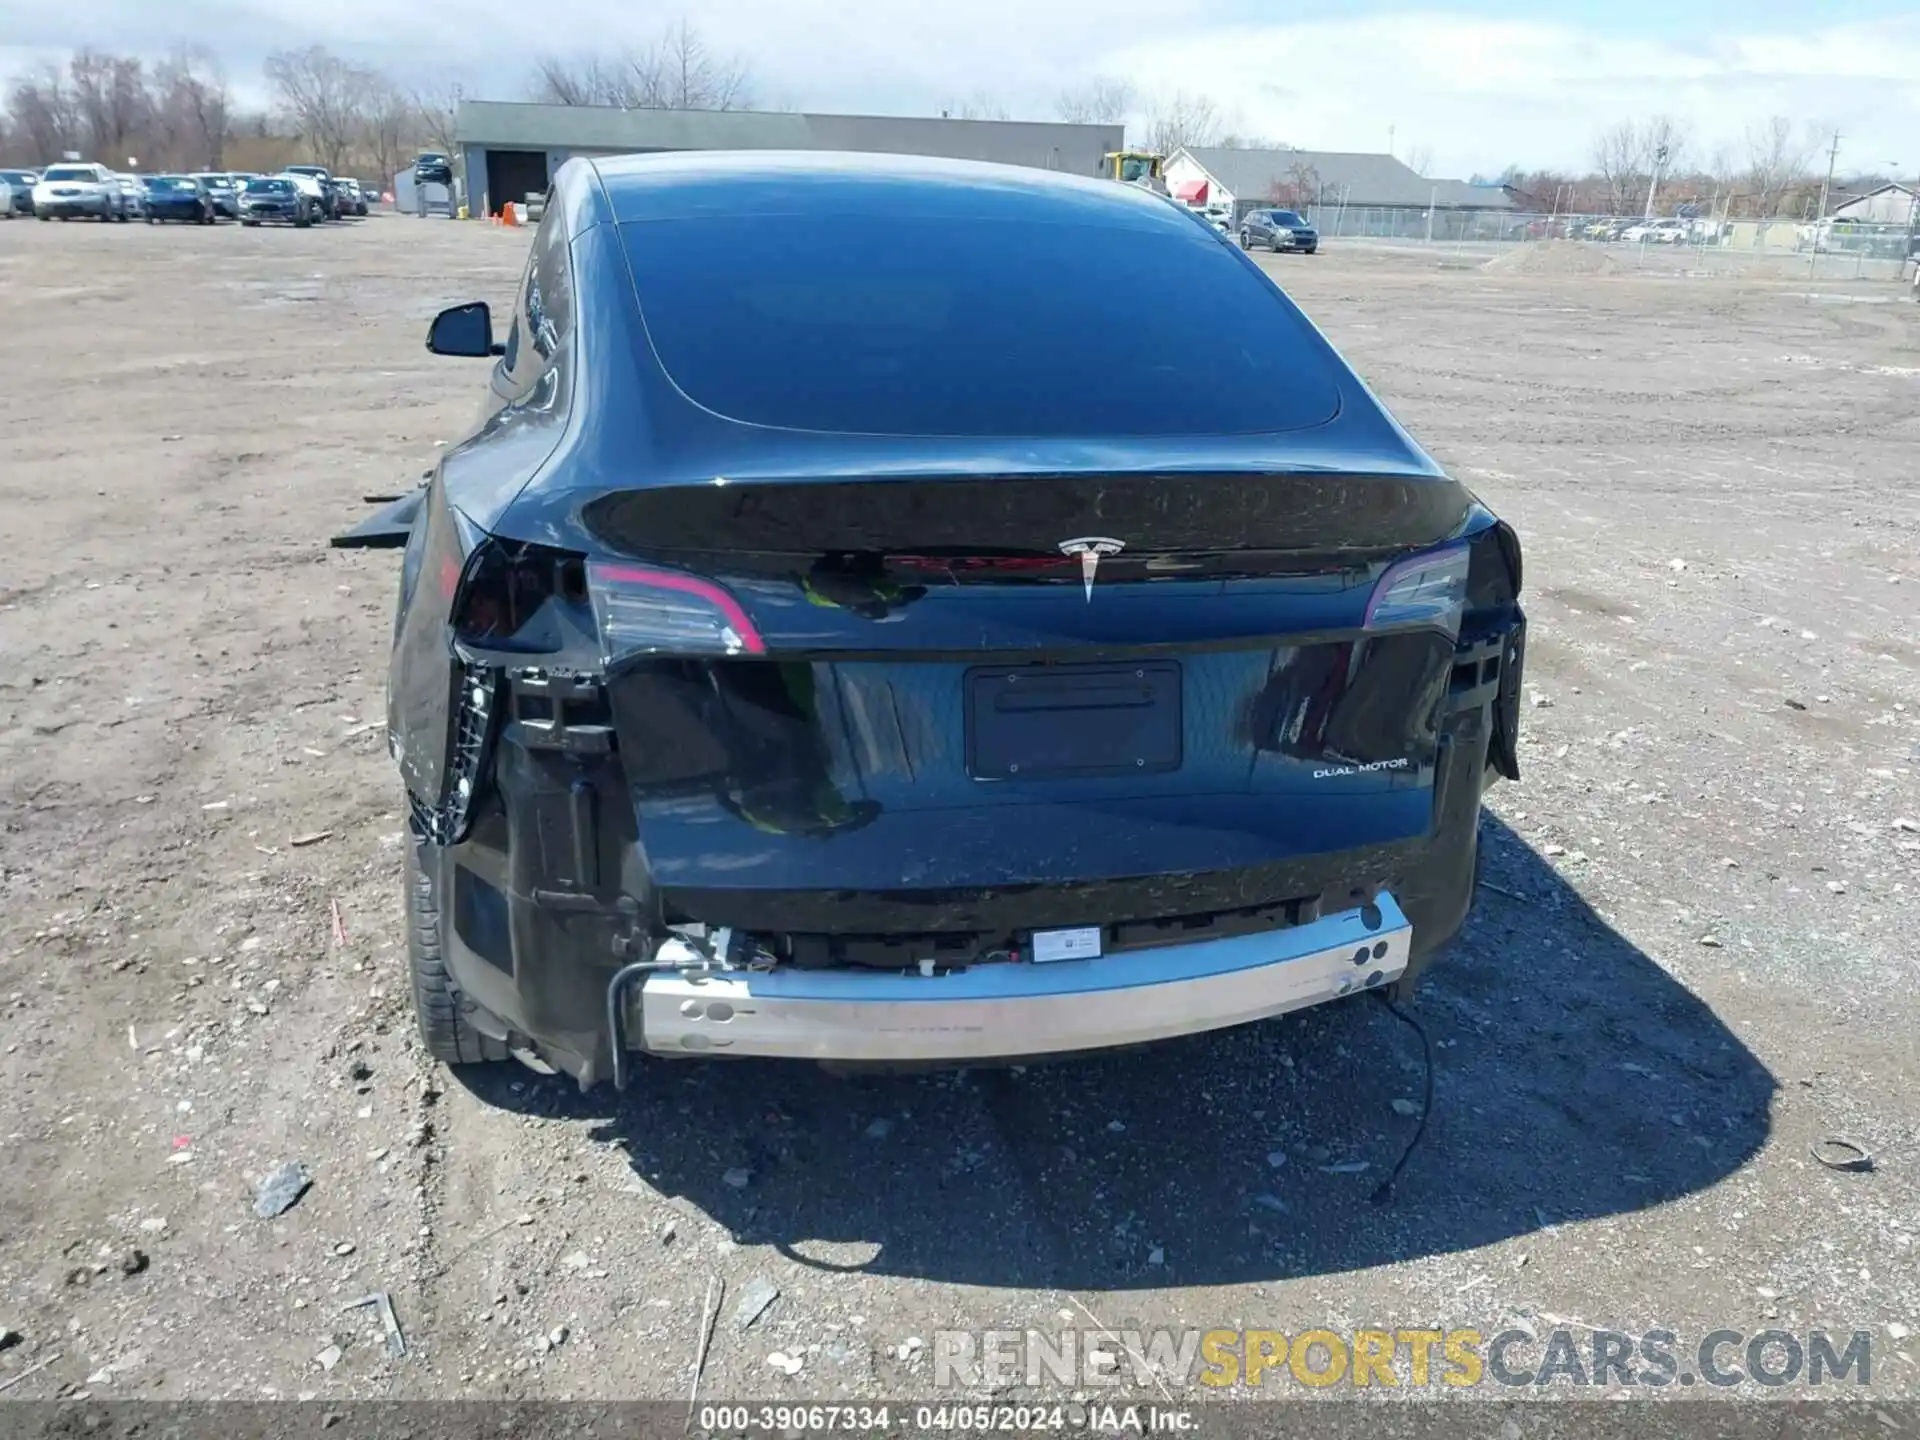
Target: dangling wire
x: 1385, y: 1190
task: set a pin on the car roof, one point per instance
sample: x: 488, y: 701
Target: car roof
x: 638, y: 186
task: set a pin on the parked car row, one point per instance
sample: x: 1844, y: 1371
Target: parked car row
x: 299, y: 195
x: 1668, y: 230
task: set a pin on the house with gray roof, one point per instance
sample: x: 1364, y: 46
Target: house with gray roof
x: 1317, y: 182
x: 511, y: 150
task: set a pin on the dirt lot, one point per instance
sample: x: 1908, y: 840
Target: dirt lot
x: 1693, y: 959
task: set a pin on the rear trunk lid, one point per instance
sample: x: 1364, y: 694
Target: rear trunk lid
x: 971, y: 685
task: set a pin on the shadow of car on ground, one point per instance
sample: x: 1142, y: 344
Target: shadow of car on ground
x: 1573, y: 1079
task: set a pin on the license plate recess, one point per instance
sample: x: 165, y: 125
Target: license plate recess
x: 1056, y: 722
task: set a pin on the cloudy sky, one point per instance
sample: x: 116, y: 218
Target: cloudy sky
x: 1480, y: 83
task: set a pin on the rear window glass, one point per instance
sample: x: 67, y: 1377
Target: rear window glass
x: 1079, y: 322
x: 69, y: 172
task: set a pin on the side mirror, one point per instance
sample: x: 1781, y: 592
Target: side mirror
x: 464, y: 330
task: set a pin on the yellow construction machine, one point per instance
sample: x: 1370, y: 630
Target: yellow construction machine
x: 1136, y: 167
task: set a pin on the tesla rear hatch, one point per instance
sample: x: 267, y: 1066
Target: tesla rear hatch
x: 857, y: 706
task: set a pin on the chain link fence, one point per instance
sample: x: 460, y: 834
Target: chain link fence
x: 1830, y: 249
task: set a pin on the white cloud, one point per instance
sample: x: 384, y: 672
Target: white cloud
x: 1478, y: 92
x: 1482, y: 93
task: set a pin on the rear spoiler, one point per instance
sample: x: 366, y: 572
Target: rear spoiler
x: 388, y: 527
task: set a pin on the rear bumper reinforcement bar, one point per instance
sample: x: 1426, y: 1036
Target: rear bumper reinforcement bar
x: 1002, y: 1010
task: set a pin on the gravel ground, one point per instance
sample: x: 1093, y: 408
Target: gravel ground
x: 1692, y: 959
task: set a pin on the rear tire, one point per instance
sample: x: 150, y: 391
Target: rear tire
x: 1246, y: 241
x: 436, y: 1003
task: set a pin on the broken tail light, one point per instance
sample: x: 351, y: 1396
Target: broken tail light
x: 643, y: 610
x: 473, y: 717
x: 1428, y: 588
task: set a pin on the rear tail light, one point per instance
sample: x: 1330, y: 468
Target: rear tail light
x: 641, y: 610
x: 1426, y: 589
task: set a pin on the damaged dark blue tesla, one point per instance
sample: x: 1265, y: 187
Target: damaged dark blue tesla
x: 898, y: 610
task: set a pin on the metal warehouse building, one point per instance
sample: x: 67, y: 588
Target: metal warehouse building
x: 512, y: 150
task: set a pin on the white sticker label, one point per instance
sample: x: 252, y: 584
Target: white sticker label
x: 1080, y: 944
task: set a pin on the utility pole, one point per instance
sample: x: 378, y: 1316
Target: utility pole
x: 1659, y: 160
x: 1389, y: 141
x: 1820, y: 219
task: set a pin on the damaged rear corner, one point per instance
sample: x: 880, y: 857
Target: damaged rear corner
x: 499, y: 724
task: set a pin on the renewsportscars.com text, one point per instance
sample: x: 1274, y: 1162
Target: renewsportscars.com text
x: 1411, y: 1358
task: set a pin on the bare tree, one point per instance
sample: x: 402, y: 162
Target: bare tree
x: 392, y: 127
x: 44, y: 117
x: 696, y: 78
x: 981, y: 105
x: 677, y: 72
x: 1103, y: 100
x: 558, y: 82
x: 193, y: 109
x: 1627, y: 154
x: 629, y: 80
x: 1298, y: 189
x: 325, y: 98
x: 1419, y: 159
x: 1182, y: 120
x: 1249, y: 142
x: 1616, y: 160
x: 1777, y: 163
x: 1668, y: 145
x: 1548, y: 190
x: 111, y: 101
x: 438, y: 108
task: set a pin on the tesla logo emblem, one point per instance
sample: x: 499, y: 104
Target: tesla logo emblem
x: 1090, y: 548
